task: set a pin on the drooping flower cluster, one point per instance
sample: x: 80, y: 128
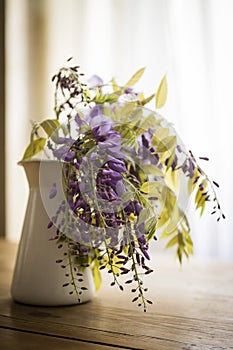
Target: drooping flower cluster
x: 123, y: 166
x: 102, y: 217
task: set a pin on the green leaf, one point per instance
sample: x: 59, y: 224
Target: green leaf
x: 163, y: 219
x: 175, y: 216
x: 96, y: 275
x: 114, y: 85
x: 170, y: 200
x: 129, y: 139
x: 135, y: 77
x: 173, y: 180
x: 50, y: 126
x: 150, y: 187
x: 198, y: 196
x: 136, y: 115
x: 143, y: 216
x: 172, y: 242
x: 202, y: 208
x: 127, y: 196
x: 126, y: 110
x: 166, y: 144
x: 145, y: 124
x: 189, y: 244
x: 151, y: 223
x: 151, y: 227
x: 165, y: 233
x: 34, y: 147
x: 144, y: 101
x: 162, y: 132
x: 200, y: 200
x: 151, y: 169
x: 179, y: 255
x: 100, y: 99
x: 161, y: 95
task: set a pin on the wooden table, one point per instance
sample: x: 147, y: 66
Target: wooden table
x: 193, y: 310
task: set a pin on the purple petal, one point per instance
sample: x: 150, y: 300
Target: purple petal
x: 120, y: 188
x: 117, y: 167
x: 95, y: 111
x: 112, y: 174
x: 59, y: 152
x: 69, y: 156
x: 179, y: 148
x: 142, y: 239
x: 138, y: 207
x: 77, y: 165
x: 53, y: 191
x: 145, y: 253
x: 78, y: 120
x: 115, y: 160
x: 62, y: 140
x: 95, y: 81
x: 50, y: 224
x: 129, y: 90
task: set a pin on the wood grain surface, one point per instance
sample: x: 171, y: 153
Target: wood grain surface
x: 193, y: 310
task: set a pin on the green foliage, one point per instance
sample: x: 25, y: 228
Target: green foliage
x: 166, y: 144
x: 151, y: 187
x: 144, y: 215
x: 96, y: 274
x: 143, y: 101
x: 135, y: 78
x: 34, y: 147
x: 50, y: 126
x: 161, y: 94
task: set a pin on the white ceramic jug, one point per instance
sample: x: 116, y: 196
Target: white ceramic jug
x: 38, y: 279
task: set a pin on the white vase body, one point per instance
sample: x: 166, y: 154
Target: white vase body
x: 38, y: 279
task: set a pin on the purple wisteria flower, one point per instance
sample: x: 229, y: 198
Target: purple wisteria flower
x: 53, y: 191
x: 95, y: 81
x: 116, y: 173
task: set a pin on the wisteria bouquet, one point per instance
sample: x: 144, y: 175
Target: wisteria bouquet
x: 123, y: 169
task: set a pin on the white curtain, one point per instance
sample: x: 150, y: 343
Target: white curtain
x: 190, y: 41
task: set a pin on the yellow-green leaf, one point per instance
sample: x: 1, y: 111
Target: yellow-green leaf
x: 192, y: 183
x: 127, y: 109
x: 161, y: 133
x: 143, y: 216
x: 174, y: 218
x: 144, y: 101
x: 128, y: 195
x: 170, y: 199
x: 166, y: 144
x: 163, y: 219
x: 202, y: 208
x: 145, y: 124
x: 172, y: 242
x: 161, y: 94
x: 151, y: 223
x: 96, y: 275
x: 135, y: 77
x: 180, y: 240
x: 34, y: 147
x: 50, y: 126
x: 189, y: 244
x: 173, y: 180
x: 151, y: 169
x: 165, y: 234
x: 114, y: 85
x: 151, y: 187
x: 198, y: 196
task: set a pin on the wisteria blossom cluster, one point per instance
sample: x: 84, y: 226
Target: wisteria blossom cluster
x: 123, y: 166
